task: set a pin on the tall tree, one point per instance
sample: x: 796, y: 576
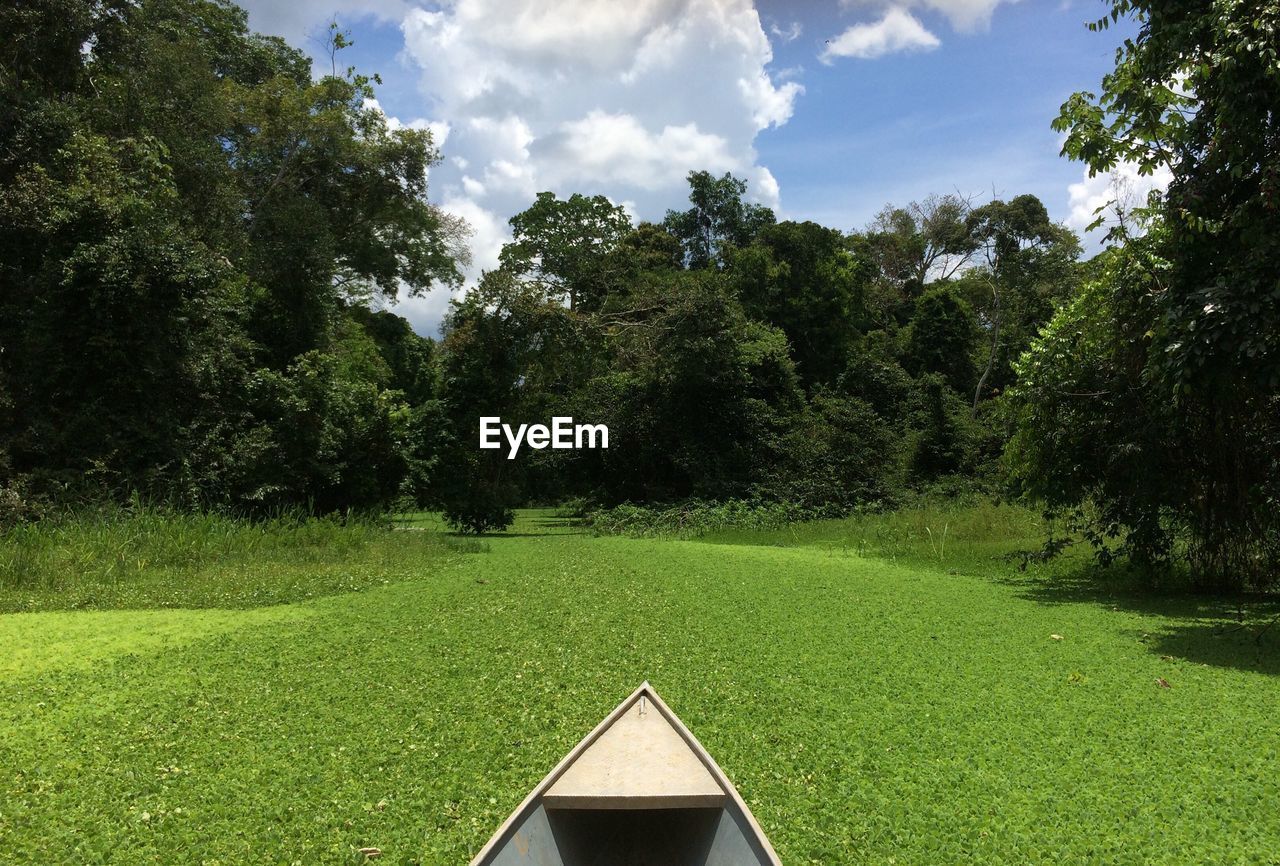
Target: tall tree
x: 1027, y: 268
x: 940, y: 338
x: 696, y: 393
x: 1189, y: 316
x: 184, y: 216
x: 565, y: 245
x: 719, y: 219
x: 922, y: 241
x: 802, y: 278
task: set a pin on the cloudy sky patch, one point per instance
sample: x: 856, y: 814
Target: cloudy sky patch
x: 828, y: 109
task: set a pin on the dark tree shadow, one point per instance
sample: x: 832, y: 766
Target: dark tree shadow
x: 552, y: 526
x: 1241, y: 632
x: 1249, y: 646
x: 505, y: 534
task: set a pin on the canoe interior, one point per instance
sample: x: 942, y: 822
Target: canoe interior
x: 632, y: 837
x: 639, y: 790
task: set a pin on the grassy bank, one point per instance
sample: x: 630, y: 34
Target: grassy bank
x: 145, y: 558
x: 870, y: 710
x: 978, y: 536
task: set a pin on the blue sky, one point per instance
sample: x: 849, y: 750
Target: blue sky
x: 829, y: 109
x: 972, y: 114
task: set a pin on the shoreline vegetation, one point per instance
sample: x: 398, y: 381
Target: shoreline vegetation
x: 112, y: 557
x: 120, y: 557
x: 195, y: 300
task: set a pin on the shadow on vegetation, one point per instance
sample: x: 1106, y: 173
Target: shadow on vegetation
x: 552, y: 526
x: 1241, y: 632
x: 525, y: 527
x: 503, y: 534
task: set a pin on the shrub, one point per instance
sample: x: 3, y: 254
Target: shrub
x: 479, y: 513
x: 944, y: 443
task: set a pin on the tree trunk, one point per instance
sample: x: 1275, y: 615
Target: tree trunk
x: 998, y: 316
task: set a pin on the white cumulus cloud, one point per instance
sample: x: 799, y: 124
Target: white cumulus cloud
x: 588, y: 96
x: 616, y: 150
x: 964, y: 15
x: 439, y: 129
x: 898, y: 30
x: 594, y: 96
x: 1102, y: 193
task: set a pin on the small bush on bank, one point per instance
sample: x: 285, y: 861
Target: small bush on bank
x: 477, y: 518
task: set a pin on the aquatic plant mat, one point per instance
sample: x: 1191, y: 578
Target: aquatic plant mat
x: 877, y: 694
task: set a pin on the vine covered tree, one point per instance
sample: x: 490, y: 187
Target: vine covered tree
x: 186, y: 220
x: 1178, y: 346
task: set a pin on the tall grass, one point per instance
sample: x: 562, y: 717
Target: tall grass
x: 970, y: 534
x: 114, y: 545
x: 156, y: 557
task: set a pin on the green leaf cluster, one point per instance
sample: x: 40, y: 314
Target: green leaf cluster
x: 1173, y: 447
x: 190, y: 229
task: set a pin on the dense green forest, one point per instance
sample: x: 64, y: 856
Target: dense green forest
x: 197, y: 238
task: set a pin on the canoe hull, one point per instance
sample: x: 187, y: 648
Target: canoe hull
x: 639, y: 790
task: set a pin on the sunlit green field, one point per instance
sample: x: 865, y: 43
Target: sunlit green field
x: 877, y: 695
